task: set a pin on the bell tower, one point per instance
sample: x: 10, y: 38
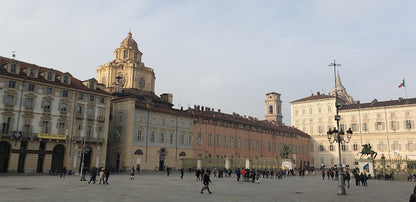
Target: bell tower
x: 273, y: 108
x: 127, y: 69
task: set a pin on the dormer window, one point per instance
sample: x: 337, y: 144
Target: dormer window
x: 49, y: 76
x: 135, y: 55
x: 125, y: 54
x: 91, y: 84
x: 13, y: 68
x: 65, y: 79
x: 32, y: 72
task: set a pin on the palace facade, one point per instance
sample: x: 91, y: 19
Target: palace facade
x: 49, y: 118
x: 388, y: 126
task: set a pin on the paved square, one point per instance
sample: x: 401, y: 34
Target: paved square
x: 158, y: 187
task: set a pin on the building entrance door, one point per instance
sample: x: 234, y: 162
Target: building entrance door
x: 58, y: 155
x: 4, y: 156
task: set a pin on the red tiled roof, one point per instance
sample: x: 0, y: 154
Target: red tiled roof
x: 75, y: 83
x: 247, y: 121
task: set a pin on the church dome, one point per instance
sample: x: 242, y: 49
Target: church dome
x: 129, y: 42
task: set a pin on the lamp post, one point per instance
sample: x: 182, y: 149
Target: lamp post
x: 383, y: 162
x: 337, y: 135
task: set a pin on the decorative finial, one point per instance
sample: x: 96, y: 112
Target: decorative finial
x: 13, y: 55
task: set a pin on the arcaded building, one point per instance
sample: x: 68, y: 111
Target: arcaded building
x: 49, y: 118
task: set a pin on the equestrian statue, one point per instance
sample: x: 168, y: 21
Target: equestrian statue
x: 368, y: 152
x: 285, y: 151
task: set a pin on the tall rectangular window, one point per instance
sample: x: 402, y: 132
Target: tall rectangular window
x: 65, y: 93
x: 48, y: 90
x: 355, y: 146
x: 232, y: 142
x: 80, y: 96
x: 162, y: 137
x: 29, y: 103
x: 152, y: 137
x: 31, y: 87
x: 331, y: 147
x: 45, y: 126
x: 217, y: 140
x: 258, y: 145
x: 171, y: 139
x: 46, y: 105
x: 12, y: 84
x: 210, y: 140
x: 9, y: 99
x: 63, y: 107
x: 239, y: 142
x: 365, y: 127
x: 92, y: 98
x: 409, y: 124
x: 354, y: 127
x: 139, y: 136
x: 199, y: 139
x: 224, y: 142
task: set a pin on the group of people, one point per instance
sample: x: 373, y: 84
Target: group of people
x: 103, y: 173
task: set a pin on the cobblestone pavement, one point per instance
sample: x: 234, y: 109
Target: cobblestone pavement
x: 159, y: 187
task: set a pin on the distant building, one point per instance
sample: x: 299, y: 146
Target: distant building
x: 47, y: 117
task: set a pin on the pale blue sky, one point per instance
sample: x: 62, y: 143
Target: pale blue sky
x: 226, y: 54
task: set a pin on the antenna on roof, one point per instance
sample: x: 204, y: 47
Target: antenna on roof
x: 13, y: 54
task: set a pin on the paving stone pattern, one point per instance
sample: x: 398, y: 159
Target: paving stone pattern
x: 158, y: 187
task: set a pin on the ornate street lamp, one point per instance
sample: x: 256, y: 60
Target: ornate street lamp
x: 338, y: 136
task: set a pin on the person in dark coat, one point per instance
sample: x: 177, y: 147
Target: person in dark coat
x: 413, y: 196
x: 206, y: 182
x: 106, y: 174
x: 181, y: 173
x: 93, y: 173
x: 347, y: 178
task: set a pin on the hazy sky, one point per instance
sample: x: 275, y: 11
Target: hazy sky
x: 226, y: 54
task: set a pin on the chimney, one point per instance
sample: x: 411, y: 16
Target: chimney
x: 219, y: 111
x: 167, y: 97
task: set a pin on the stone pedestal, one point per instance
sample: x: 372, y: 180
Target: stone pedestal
x: 366, y: 166
x: 199, y: 164
x: 248, y: 164
x: 227, y: 163
x: 287, y: 164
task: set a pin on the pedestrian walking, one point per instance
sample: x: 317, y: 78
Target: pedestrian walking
x: 206, y: 182
x: 106, y: 174
x: 347, y: 178
x: 102, y: 175
x: 63, y: 172
x: 93, y: 173
x: 413, y: 196
x: 132, y: 173
x: 323, y: 174
x: 181, y: 173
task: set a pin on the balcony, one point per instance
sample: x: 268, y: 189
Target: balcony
x: 101, y: 118
x: 79, y: 116
x: 88, y: 139
x: 90, y: 117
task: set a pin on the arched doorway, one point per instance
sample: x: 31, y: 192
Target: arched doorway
x: 4, y: 156
x: 118, y: 159
x: 58, y: 155
x: 86, y: 158
x: 162, y: 157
